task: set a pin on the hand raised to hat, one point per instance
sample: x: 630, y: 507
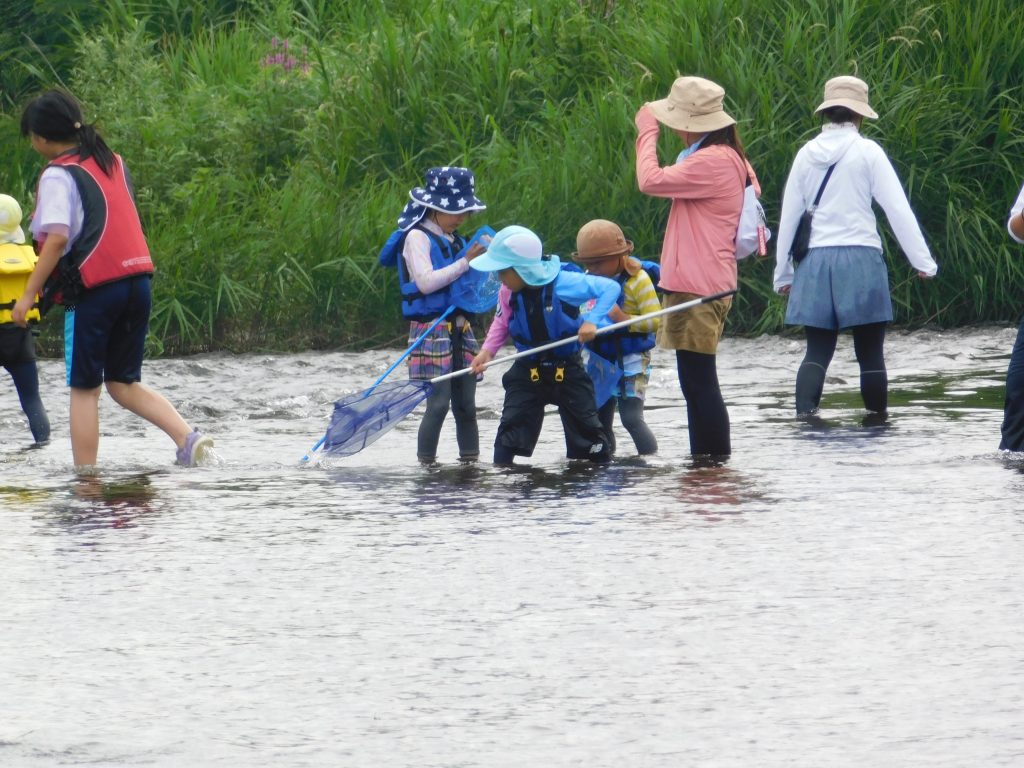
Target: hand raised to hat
x: 645, y: 118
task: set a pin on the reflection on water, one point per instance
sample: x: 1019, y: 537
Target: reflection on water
x: 96, y: 502
x: 714, y: 489
x: 833, y: 576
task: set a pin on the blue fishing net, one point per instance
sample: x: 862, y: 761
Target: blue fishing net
x: 476, y: 291
x: 363, y: 418
x: 606, y: 376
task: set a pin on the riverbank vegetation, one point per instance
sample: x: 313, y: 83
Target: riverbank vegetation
x: 273, y: 145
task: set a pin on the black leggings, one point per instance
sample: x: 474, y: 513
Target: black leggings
x: 26, y: 381
x: 460, y: 393
x: 631, y: 414
x: 707, y: 417
x: 869, y: 346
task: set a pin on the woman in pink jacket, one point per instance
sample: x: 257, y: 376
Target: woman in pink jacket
x: 698, y: 257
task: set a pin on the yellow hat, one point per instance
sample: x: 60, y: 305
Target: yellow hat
x: 10, y: 221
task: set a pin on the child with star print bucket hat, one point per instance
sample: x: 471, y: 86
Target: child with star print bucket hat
x: 432, y: 257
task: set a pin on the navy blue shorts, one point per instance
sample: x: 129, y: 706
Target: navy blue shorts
x: 105, y: 334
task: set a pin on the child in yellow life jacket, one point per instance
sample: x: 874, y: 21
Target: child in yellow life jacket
x: 17, y: 349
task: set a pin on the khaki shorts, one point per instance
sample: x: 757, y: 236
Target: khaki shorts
x: 697, y: 329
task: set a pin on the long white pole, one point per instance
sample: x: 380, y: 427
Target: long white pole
x: 606, y: 329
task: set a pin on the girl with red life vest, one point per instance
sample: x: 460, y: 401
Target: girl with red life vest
x: 94, y: 260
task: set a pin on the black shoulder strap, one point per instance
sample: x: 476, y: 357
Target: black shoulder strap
x: 828, y: 173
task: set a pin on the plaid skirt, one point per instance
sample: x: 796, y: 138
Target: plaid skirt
x: 450, y: 347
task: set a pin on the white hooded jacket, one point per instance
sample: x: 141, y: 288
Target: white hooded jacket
x: 844, y: 216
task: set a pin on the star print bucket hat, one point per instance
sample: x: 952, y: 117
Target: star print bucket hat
x: 449, y: 189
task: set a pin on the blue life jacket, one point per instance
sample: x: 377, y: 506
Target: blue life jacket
x: 417, y: 305
x: 539, y: 316
x: 613, y: 346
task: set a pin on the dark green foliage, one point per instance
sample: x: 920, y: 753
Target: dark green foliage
x: 267, y: 185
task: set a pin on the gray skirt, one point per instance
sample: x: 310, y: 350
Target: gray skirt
x: 839, y: 287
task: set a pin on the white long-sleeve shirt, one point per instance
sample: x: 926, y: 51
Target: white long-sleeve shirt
x: 416, y: 253
x: 844, y: 216
x: 1018, y: 206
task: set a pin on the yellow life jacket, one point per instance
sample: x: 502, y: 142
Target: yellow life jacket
x: 16, y: 264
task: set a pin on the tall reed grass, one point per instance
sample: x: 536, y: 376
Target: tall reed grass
x: 268, y: 178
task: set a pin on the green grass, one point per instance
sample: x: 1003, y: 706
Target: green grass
x: 266, y: 193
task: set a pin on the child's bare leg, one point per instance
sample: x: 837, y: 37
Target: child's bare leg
x: 85, y: 425
x: 152, y: 406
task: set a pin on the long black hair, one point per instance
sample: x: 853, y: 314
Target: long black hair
x: 729, y: 136
x: 57, y: 116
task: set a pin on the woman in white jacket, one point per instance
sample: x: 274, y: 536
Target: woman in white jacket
x: 843, y: 282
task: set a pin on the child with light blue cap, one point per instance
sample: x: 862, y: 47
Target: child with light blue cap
x: 540, y: 303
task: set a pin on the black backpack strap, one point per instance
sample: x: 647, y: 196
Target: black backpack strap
x: 828, y: 174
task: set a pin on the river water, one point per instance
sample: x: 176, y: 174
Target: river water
x: 835, y: 594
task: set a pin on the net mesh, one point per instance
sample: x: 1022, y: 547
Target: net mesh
x: 476, y: 291
x: 606, y: 376
x: 363, y: 418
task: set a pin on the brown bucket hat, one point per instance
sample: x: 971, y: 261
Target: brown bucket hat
x: 600, y: 238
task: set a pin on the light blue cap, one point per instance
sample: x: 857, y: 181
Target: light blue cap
x: 518, y: 248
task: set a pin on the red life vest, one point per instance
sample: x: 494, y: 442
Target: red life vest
x: 111, y: 245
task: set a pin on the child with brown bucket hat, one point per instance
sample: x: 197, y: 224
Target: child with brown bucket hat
x: 602, y: 249
x: 698, y: 256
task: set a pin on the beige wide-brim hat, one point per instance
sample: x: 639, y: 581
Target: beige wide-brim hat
x: 598, y: 239
x: 694, y: 104
x: 847, y: 91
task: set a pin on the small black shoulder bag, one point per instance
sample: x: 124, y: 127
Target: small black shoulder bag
x: 802, y: 237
